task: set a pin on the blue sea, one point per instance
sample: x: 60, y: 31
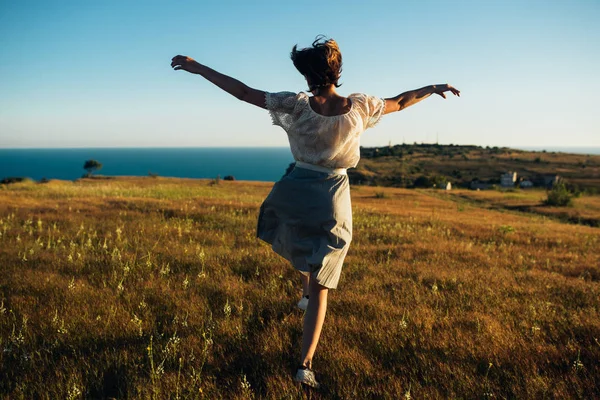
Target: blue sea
x: 573, y: 150
x: 253, y: 164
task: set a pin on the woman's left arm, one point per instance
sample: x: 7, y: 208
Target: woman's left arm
x: 411, y: 97
x: 227, y: 83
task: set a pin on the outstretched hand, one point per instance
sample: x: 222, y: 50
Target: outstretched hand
x: 185, y: 63
x: 440, y: 89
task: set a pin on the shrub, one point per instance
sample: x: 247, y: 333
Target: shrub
x: 456, y: 173
x: 13, y: 179
x: 559, y: 196
x: 574, y: 189
x: 422, y: 182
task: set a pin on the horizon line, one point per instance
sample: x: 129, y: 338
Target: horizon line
x: 519, y: 147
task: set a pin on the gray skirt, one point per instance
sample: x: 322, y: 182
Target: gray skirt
x: 307, y: 219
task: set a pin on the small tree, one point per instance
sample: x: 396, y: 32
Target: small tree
x: 559, y: 196
x: 423, y: 182
x: 92, y: 166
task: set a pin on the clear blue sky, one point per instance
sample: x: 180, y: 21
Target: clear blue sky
x: 97, y: 73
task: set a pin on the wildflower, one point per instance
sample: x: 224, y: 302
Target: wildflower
x: 577, y: 364
x: 74, y: 392
x: 138, y: 322
x: 165, y: 269
x: 61, y: 329
x: 244, y: 383
x: 227, y: 309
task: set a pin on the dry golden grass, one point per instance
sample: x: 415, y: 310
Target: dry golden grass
x: 157, y: 288
x: 585, y: 209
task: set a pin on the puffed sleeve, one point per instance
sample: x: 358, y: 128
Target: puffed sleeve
x: 281, y: 107
x: 371, y: 108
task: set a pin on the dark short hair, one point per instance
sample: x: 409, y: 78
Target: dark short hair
x: 321, y: 63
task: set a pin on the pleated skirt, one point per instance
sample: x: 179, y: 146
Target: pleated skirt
x: 307, y: 219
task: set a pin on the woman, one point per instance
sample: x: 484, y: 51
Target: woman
x: 307, y: 217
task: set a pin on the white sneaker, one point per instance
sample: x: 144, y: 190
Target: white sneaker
x: 303, y: 303
x: 307, y: 377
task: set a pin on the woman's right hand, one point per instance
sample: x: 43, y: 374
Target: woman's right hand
x: 185, y: 63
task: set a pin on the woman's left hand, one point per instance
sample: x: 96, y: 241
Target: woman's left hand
x: 185, y: 63
x: 440, y: 89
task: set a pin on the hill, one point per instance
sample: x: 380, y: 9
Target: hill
x: 155, y: 288
x: 422, y: 165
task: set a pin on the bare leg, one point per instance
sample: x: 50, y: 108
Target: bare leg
x: 305, y: 282
x: 313, y: 321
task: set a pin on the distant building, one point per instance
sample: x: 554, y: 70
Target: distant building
x: 508, y: 179
x: 551, y: 180
x: 547, y: 181
x: 525, y: 184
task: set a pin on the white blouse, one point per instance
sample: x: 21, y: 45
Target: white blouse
x: 331, y: 142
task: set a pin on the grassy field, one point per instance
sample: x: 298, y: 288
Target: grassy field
x: 585, y: 209
x: 158, y: 289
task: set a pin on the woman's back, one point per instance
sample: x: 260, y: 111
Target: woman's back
x: 325, y: 133
x: 330, y: 106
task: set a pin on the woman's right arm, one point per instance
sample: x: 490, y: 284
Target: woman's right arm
x: 227, y: 83
x: 411, y: 97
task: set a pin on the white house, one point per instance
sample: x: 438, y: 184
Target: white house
x: 508, y: 179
